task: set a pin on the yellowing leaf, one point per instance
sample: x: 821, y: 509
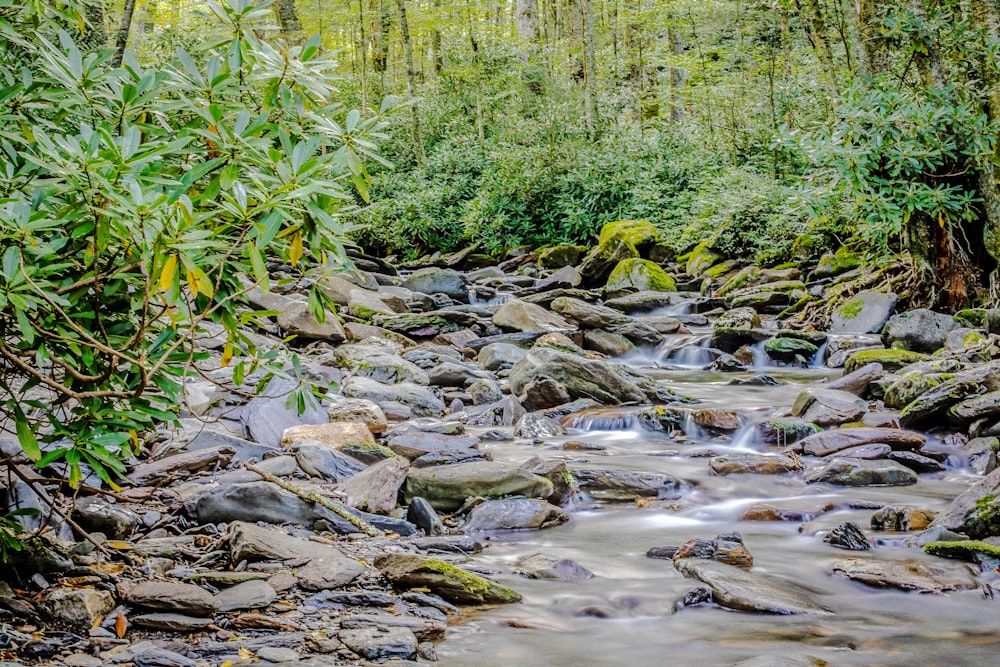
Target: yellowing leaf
x: 227, y: 355
x: 121, y: 625
x: 192, y: 283
x: 119, y: 544
x: 295, y: 253
x: 167, y: 274
x: 245, y: 653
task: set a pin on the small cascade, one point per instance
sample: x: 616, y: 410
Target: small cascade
x: 748, y: 438
x: 819, y: 359
x: 499, y: 299
x: 688, y: 352
x: 601, y: 420
x: 473, y: 298
x: 692, y: 431
x: 760, y: 359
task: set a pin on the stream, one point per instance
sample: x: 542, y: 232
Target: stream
x: 627, y: 614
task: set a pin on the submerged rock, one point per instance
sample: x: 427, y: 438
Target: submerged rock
x: 904, y: 575
x: 540, y: 565
x: 743, y: 591
x: 513, y: 514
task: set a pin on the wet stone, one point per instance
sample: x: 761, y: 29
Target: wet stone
x: 901, y: 518
x: 378, y: 644
x: 848, y: 535
x: 855, y: 472
x: 247, y: 595
x: 546, y: 566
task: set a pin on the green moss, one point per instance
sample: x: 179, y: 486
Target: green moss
x: 474, y: 586
x: 852, y: 308
x: 891, y: 360
x: 636, y: 232
x: 832, y: 264
x: 558, y: 256
x: 739, y: 280
x: 641, y: 274
x: 972, y: 317
x: 970, y: 550
x: 702, y: 258
x: 719, y: 270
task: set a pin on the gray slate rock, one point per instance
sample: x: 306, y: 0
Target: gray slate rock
x: 422, y: 401
x: 735, y: 589
x: 513, y: 514
x: 247, y: 595
x: 865, y: 312
x: 169, y: 597
x: 856, y: 472
x: 919, y: 330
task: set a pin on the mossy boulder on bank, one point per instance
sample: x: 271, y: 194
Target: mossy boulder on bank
x: 451, y: 583
x: 640, y: 233
x: 835, y: 263
x: 601, y: 261
x: 642, y: 275
x: 702, y: 258
x: 558, y: 256
x: 891, y: 360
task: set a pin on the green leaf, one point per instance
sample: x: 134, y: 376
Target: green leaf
x: 26, y: 437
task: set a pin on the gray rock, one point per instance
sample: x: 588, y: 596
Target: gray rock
x: 438, y: 281
x: 267, y: 416
x: 919, y: 330
x: 976, y: 511
x: 484, y: 392
x: 642, y: 302
x: 500, y: 355
x: 170, y: 622
x: 79, y: 607
x: 540, y: 565
x: 735, y: 589
x: 865, y: 312
x: 164, y: 596
x: 856, y: 472
x: 381, y: 644
x: 451, y: 583
x: 421, y: 400
x: 377, y: 362
x: 762, y: 464
x: 979, y: 380
x: 848, y: 535
x: 581, y: 378
x: 377, y: 488
x: 857, y: 382
x: 517, y: 315
x: 296, y: 320
x: 607, y: 342
x: 254, y: 501
x: 829, y: 442
x: 246, y: 595
x: 537, y: 425
x: 513, y: 514
x: 421, y: 514
x: 97, y: 515
x: 588, y: 315
x: 358, y: 410
x: 453, y: 374
x: 828, y: 406
x: 904, y: 575
x: 414, y: 444
x: 624, y: 485
x: 738, y: 318
x: 318, y: 460
x: 447, y: 487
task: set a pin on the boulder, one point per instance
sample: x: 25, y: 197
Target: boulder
x: 607, y: 342
x: 334, y: 434
x: 500, y: 355
x: 828, y: 406
x: 978, y: 380
x: 904, y: 575
x: 540, y: 565
x: 640, y: 233
x: 78, y: 607
x: 318, y: 460
x: 755, y: 463
x: 919, y: 330
x: 901, y: 518
x: 267, y: 416
x: 624, y: 485
x: 865, y: 312
x: 414, y: 444
x: 701, y: 259
x: 421, y: 400
x: 890, y: 360
x: 517, y: 315
x: 434, y: 280
x: 738, y: 318
x: 976, y: 511
x: 513, y: 514
x: 790, y: 350
x: 735, y: 589
x: 376, y: 488
x: 640, y: 274
x: 449, y: 582
x: 588, y: 315
x: 297, y: 320
x: 559, y: 256
x: 581, y: 378
x: 427, y: 325
x: 829, y: 442
x: 603, y: 258
x: 857, y: 472
x: 358, y: 410
x: 642, y: 302
x: 447, y: 487
x: 380, y: 644
x: 537, y: 425
x: 172, y: 597
x: 377, y: 362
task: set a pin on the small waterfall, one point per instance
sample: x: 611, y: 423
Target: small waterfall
x: 688, y: 352
x: 748, y: 438
x: 760, y: 359
x: 592, y: 420
x: 692, y: 431
x: 819, y: 359
x: 473, y: 298
x: 499, y: 299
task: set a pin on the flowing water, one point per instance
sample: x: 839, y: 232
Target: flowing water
x: 625, y: 614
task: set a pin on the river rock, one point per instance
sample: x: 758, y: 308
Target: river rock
x: 728, y: 549
x: 828, y: 406
x: 901, y: 518
x: 890, y: 360
x: 378, y: 362
x: 558, y: 256
x: 904, y: 575
x: 517, y: 315
x: 169, y: 622
x: 790, y: 350
x: 976, y: 511
x: 978, y: 380
x: 848, y: 535
x: 358, y: 410
x: 447, y: 487
x: 454, y: 374
x: 774, y: 512
x: 869, y: 452
x: 429, y: 324
x: 450, y: 582
x: 537, y: 425
x: 415, y: 444
x: 642, y: 302
x: 540, y: 565
x: 78, y: 607
x: 743, y: 591
x: 297, y: 320
x: 318, y: 460
x: 421, y: 514
x: 500, y: 355
x: 865, y: 312
x: 267, y: 416
x: 513, y: 514
x: 581, y: 378
x: 857, y: 382
x: 253, y: 501
x: 421, y: 400
x: 97, y: 515
x: 762, y: 464
x: 376, y: 488
x: 246, y: 595
x: 916, y: 462
x: 333, y: 435
x: 624, y: 485
x: 381, y: 644
x: 640, y: 274
x: 829, y: 442
x: 919, y: 330
x: 982, y: 454
x: 607, y: 342
x: 976, y: 407
x: 588, y: 315
x: 855, y: 472
x: 172, y: 597
x: 433, y: 280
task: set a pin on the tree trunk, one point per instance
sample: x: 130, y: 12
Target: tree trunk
x: 590, y: 67
x: 288, y: 19
x: 121, y: 41
x: 986, y: 16
x: 875, y: 45
x: 677, y: 76
x: 856, y: 46
x: 380, y: 45
x: 97, y: 36
x: 411, y: 87
x: 526, y: 21
x: 436, y: 48
x: 812, y: 18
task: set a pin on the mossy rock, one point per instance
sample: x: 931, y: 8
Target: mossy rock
x: 702, y: 258
x: 601, y: 260
x: 366, y: 452
x: 968, y: 550
x: 833, y: 264
x: 448, y: 581
x: 909, y: 386
x: 972, y: 317
x: 640, y: 233
x: 558, y: 256
x: 641, y: 274
x: 721, y: 269
x: 789, y: 349
x: 740, y: 280
x: 891, y: 360
x: 785, y: 431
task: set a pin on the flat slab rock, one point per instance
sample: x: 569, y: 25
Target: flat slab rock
x: 743, y: 591
x: 904, y: 575
x: 829, y: 442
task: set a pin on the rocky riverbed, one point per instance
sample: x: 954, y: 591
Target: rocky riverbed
x: 577, y: 456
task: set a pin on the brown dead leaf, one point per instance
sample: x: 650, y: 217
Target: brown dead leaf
x: 121, y: 625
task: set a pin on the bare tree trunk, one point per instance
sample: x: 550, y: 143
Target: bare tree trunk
x: 812, y: 18
x: 121, y: 41
x: 97, y: 36
x: 288, y: 19
x: 590, y: 67
x: 411, y: 86
x: 436, y: 48
x: 677, y: 75
x: 526, y: 21
x: 380, y: 45
x: 858, y: 54
x: 875, y: 45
